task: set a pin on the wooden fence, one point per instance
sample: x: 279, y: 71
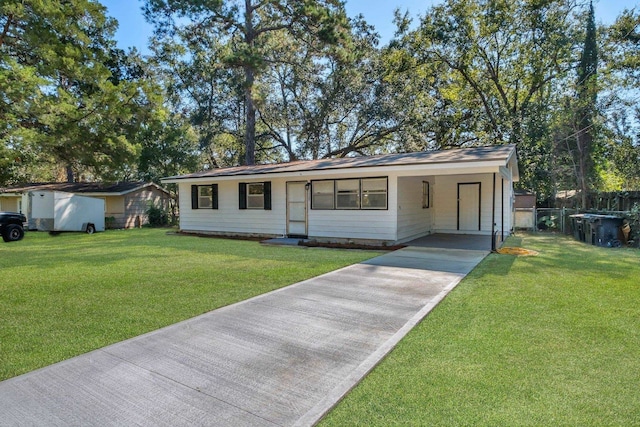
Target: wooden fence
x: 615, y: 201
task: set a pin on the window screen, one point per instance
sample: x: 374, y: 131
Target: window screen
x: 374, y: 193
x: 348, y: 194
x: 255, y: 196
x: 323, y: 194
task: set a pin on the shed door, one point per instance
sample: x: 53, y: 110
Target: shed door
x: 469, y: 206
x: 296, y: 209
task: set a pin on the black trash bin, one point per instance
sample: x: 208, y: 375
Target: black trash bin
x: 598, y: 230
x: 608, y: 231
x: 578, y: 226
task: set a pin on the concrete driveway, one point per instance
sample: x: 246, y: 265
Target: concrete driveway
x: 280, y: 359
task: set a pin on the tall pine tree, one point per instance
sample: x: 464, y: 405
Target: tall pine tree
x: 68, y: 98
x: 587, y: 94
x: 245, y: 27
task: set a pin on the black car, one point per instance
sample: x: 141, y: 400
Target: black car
x: 12, y: 226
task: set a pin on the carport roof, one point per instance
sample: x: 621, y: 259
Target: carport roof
x: 502, y: 153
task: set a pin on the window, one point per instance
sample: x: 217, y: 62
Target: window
x: 322, y: 194
x: 205, y: 199
x: 374, y: 193
x: 348, y: 194
x: 255, y: 195
x: 204, y: 196
x: 425, y: 194
x: 364, y: 193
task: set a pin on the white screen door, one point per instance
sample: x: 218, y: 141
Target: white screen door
x: 296, y: 209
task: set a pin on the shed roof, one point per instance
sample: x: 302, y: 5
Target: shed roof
x: 102, y: 188
x: 503, y: 153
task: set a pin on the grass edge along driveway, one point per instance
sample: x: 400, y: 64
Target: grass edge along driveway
x: 546, y: 340
x: 61, y: 296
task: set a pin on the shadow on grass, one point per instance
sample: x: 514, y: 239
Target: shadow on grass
x: 560, y: 253
x: 495, y: 265
x: 140, y: 246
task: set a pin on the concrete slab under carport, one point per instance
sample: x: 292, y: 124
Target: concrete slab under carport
x: 283, y: 358
x: 477, y: 242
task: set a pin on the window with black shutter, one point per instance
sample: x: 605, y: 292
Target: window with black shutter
x: 255, y: 195
x: 204, y: 196
x: 242, y: 195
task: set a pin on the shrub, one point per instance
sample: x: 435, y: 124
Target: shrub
x: 109, y: 222
x: 633, y: 217
x: 158, y: 217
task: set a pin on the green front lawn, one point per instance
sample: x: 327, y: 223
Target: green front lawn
x: 540, y: 341
x: 65, y: 295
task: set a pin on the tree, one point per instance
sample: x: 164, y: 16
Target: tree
x: 587, y: 94
x: 344, y: 103
x: 620, y: 94
x: 503, y: 57
x: 169, y: 148
x: 63, y: 104
x: 624, y: 45
x: 244, y: 27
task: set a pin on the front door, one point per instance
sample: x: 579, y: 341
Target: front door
x: 297, y: 209
x: 469, y: 206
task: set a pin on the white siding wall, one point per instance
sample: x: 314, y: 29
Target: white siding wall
x: 229, y: 218
x: 504, y: 210
x: 508, y: 200
x: 356, y: 224
x: 323, y: 224
x: 445, y: 201
x: 413, y: 220
x: 404, y: 219
x: 361, y: 224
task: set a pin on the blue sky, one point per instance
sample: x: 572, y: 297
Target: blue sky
x: 133, y: 31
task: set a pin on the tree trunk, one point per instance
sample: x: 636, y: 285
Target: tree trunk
x: 69, y: 171
x: 250, y: 130
x: 583, y: 165
x: 249, y: 73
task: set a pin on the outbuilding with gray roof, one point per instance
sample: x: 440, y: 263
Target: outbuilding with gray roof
x: 126, y: 203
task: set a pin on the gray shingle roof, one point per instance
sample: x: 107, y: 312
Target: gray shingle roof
x: 80, y: 187
x: 460, y: 155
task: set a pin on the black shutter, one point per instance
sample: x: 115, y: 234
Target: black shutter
x: 214, y: 196
x: 194, y: 197
x: 267, y: 195
x: 242, y: 195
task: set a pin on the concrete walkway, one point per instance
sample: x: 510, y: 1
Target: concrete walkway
x: 280, y: 359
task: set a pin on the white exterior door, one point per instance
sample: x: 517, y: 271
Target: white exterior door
x: 296, y: 209
x: 469, y: 206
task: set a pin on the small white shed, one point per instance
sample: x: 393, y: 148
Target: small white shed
x: 385, y: 199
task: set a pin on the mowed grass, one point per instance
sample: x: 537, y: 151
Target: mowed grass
x: 551, y: 340
x: 64, y: 295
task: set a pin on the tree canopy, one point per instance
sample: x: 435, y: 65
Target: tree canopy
x: 232, y: 82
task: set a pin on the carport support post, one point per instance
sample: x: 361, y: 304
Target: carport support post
x: 493, y: 217
x: 502, y: 209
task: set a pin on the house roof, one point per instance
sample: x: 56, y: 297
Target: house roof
x: 503, y: 153
x: 98, y: 188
